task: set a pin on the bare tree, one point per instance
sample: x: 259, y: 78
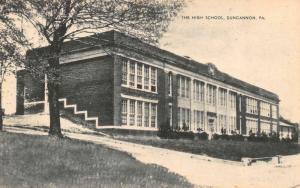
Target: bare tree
x: 58, y: 20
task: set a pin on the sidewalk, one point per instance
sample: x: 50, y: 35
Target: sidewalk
x: 196, y: 168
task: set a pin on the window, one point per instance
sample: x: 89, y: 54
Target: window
x: 274, y: 112
x: 232, y: 100
x: 124, y: 73
x: 199, y: 119
x: 131, y: 74
x: 153, y: 115
x: 211, y: 95
x: 265, y: 109
x: 170, y: 115
x: 222, y: 123
x: 251, y: 126
x: 146, y: 77
x: 184, y: 118
x: 139, y: 113
x: 132, y: 113
x: 124, y: 112
x: 231, y: 124
x: 139, y: 76
x: 146, y: 114
x: 222, y: 97
x: 251, y: 106
x: 170, y: 84
x: 265, y: 127
x: 198, y: 88
x: 153, y: 79
x: 183, y: 86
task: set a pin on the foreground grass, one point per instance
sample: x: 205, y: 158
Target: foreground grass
x: 42, y: 161
x: 223, y: 149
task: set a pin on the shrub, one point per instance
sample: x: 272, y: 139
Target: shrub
x: 202, y: 136
x: 215, y: 136
x: 165, y: 131
x: 237, y: 137
x: 186, y: 135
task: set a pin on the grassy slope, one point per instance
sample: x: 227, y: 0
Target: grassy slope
x: 41, y: 161
x: 224, y: 149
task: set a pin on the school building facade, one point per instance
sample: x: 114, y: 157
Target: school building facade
x: 116, y: 81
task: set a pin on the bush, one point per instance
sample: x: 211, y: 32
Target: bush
x: 237, y: 137
x: 186, y: 135
x: 164, y: 131
x: 202, y: 136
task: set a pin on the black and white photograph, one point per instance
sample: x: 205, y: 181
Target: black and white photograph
x: 149, y: 93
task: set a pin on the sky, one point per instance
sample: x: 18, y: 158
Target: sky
x: 264, y: 52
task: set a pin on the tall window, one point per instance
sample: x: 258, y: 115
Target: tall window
x: 146, y: 77
x: 211, y: 95
x: 183, y: 86
x: 251, y: 126
x: 139, y: 113
x: 170, y: 115
x: 222, y: 97
x: 232, y: 100
x: 131, y: 74
x: 251, y: 106
x: 153, y: 115
x: 153, y: 79
x: 124, y: 112
x: 265, y: 127
x: 132, y: 113
x: 198, y: 88
x: 199, y: 119
x: 231, y: 124
x: 146, y: 114
x: 184, y: 117
x: 124, y: 73
x: 170, y: 84
x: 265, y: 109
x: 274, y: 112
x: 222, y: 123
x: 139, y: 76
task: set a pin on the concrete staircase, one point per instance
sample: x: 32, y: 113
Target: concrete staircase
x: 79, y: 112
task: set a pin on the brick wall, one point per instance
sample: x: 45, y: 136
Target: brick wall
x: 89, y: 84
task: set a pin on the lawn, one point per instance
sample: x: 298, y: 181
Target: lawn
x: 223, y: 149
x: 42, y: 161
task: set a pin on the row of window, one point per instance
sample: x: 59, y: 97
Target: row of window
x: 139, y: 76
x: 139, y: 113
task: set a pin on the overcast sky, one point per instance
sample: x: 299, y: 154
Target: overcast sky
x: 263, y: 52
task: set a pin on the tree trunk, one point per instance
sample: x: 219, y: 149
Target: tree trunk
x: 53, y: 96
x: 1, y: 113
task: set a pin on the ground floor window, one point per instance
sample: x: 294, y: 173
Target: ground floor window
x: 265, y: 127
x: 222, y: 124
x: 139, y: 113
x: 184, y: 118
x: 124, y: 112
x: 251, y: 126
x: 199, y: 120
x: 231, y: 124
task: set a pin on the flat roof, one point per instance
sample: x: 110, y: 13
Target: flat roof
x: 117, y: 39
